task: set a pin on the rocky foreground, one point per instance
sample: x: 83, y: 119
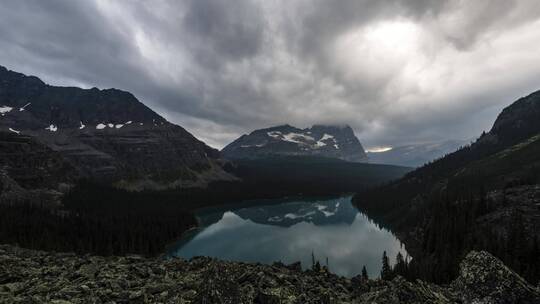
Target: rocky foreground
x: 28, y: 276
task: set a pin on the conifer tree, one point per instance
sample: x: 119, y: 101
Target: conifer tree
x: 401, y: 267
x: 386, y: 271
x: 365, y: 276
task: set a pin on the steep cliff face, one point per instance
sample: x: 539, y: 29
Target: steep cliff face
x: 104, y: 134
x: 38, y: 277
x: 327, y: 141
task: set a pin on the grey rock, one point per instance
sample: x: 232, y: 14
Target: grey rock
x: 484, y: 279
x: 43, y: 277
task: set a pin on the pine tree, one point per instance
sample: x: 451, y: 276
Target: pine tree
x: 386, y: 271
x: 365, y: 276
x: 317, y: 267
x: 401, y: 267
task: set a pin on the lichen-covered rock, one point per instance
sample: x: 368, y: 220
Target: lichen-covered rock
x: 28, y: 276
x: 485, y: 279
x: 401, y: 291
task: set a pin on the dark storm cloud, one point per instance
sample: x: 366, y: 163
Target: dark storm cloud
x: 66, y: 40
x: 397, y: 71
x: 231, y: 33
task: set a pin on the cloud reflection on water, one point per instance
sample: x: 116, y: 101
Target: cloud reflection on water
x: 348, y: 246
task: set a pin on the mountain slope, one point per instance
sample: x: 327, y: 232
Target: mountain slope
x: 327, y: 141
x: 520, y: 128
x: 483, y: 196
x: 104, y: 134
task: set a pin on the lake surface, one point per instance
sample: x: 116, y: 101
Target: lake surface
x: 289, y: 231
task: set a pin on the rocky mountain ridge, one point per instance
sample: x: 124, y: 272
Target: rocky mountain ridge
x: 101, y: 134
x: 319, y: 140
x: 38, y: 277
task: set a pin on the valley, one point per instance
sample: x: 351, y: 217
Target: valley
x: 307, y: 203
x: 269, y: 152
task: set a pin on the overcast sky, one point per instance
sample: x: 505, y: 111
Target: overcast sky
x: 398, y: 72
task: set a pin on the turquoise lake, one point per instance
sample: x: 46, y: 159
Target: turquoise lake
x: 291, y: 230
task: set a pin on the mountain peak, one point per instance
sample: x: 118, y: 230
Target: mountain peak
x: 104, y: 134
x: 319, y: 140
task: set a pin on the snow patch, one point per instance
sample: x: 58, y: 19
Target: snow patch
x: 110, y: 125
x: 128, y: 122
x: 100, y: 126
x: 24, y: 107
x: 52, y: 128
x: 5, y: 109
x: 293, y: 216
x: 275, y: 219
x: 322, y: 209
x: 82, y: 125
x: 118, y: 126
x: 328, y: 213
x: 15, y: 131
x: 327, y: 136
x: 275, y: 134
x: 297, y: 138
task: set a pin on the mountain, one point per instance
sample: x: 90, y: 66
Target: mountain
x: 483, y: 196
x: 415, y: 155
x: 105, y: 135
x: 326, y: 141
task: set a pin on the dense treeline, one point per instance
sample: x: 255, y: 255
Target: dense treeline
x: 451, y: 233
x: 97, y: 221
x: 313, y: 174
x: 453, y: 230
x: 443, y: 213
x: 101, y: 219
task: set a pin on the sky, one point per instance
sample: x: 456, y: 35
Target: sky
x: 397, y: 71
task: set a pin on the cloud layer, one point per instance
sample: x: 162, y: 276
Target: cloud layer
x: 397, y: 71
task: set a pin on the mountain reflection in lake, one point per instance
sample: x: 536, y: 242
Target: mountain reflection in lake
x: 289, y: 231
